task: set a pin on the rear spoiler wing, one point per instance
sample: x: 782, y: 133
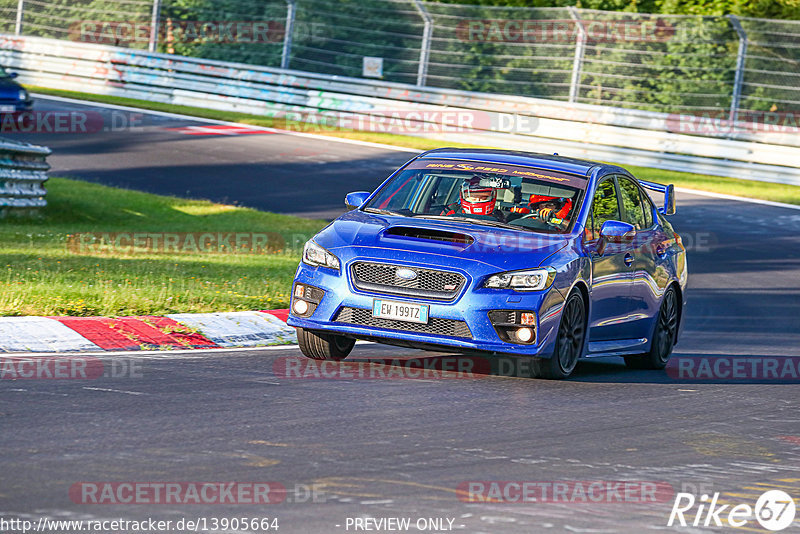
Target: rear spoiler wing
x: 669, y: 195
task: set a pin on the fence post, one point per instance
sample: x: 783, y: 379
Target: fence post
x: 425, y: 47
x: 20, y: 11
x: 288, y: 31
x: 577, y: 62
x: 739, y: 78
x: 151, y: 46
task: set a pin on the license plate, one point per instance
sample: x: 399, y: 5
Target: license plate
x: 400, y: 311
x: 7, y: 109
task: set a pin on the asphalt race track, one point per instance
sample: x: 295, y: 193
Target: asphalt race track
x: 386, y: 447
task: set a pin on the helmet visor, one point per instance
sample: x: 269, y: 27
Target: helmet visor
x: 477, y: 193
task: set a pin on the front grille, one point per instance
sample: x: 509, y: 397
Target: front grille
x: 429, y: 283
x: 435, y: 326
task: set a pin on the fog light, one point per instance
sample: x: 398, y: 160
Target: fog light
x: 300, y: 307
x: 524, y: 334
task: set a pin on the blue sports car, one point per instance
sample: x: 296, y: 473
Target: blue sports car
x: 498, y: 252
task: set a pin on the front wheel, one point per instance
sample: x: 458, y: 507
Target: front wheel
x: 324, y: 346
x: 569, y: 342
x: 663, y: 336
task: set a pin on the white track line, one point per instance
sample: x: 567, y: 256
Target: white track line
x: 109, y: 390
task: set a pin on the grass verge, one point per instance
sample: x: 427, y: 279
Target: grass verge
x: 42, y: 277
x: 732, y: 186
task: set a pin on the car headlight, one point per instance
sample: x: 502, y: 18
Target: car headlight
x: 23, y: 94
x: 314, y: 254
x: 530, y: 280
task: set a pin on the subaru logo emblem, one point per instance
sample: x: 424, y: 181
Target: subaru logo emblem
x: 405, y: 274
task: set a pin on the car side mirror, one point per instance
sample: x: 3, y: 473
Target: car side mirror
x: 13, y: 74
x: 614, y: 232
x: 356, y: 199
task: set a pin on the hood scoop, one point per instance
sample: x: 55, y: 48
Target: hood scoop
x: 430, y: 234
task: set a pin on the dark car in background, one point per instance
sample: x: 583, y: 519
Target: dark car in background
x: 13, y: 97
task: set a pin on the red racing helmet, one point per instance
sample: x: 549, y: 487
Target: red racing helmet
x: 477, y: 199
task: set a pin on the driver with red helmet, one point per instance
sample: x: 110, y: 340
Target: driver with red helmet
x: 475, y: 199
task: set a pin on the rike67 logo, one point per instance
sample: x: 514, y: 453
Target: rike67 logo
x: 774, y: 510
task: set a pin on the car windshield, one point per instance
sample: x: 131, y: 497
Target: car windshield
x: 511, y: 196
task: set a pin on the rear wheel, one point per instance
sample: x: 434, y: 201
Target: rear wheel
x: 663, y: 336
x: 569, y: 341
x: 324, y: 346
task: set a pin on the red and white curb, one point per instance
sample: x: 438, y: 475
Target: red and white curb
x: 146, y: 332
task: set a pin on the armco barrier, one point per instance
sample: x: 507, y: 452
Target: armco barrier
x: 23, y: 171
x: 621, y: 135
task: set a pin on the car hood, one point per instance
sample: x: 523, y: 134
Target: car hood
x: 474, y: 247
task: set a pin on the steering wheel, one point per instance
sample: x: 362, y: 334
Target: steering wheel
x: 536, y: 215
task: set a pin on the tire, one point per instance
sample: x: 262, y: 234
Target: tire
x: 324, y: 346
x: 569, y: 340
x: 664, y: 336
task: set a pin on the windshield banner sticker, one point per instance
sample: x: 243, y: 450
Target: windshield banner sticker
x: 506, y: 170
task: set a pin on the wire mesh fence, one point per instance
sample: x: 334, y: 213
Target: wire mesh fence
x: 65, y: 19
x: 524, y: 51
x: 657, y: 62
x: 8, y: 14
x: 771, y: 80
x: 333, y: 37
x: 679, y: 64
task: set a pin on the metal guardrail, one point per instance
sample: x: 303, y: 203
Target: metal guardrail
x: 599, y: 132
x: 23, y: 172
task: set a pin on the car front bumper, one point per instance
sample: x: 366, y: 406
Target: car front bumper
x: 471, y: 307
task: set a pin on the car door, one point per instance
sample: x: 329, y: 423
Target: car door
x: 612, y: 271
x: 649, y: 252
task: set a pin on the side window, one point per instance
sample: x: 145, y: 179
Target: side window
x: 632, y: 201
x: 604, y: 207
